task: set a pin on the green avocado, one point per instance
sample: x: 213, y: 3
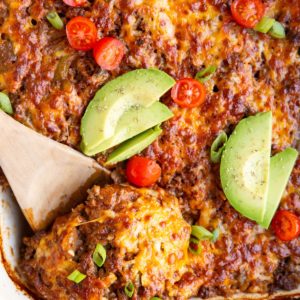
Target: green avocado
x: 245, y: 166
x: 280, y: 170
x: 134, y: 145
x: 139, y: 88
x: 133, y: 122
x: 5, y: 104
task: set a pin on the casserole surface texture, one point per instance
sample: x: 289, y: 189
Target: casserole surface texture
x: 50, y: 85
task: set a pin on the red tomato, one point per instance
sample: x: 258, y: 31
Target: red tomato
x: 81, y: 33
x: 75, y: 2
x: 142, y: 171
x: 108, y: 53
x: 247, y: 12
x: 188, y: 92
x: 286, y: 225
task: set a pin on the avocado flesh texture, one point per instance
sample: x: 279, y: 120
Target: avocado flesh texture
x: 139, y: 88
x: 133, y: 122
x: 280, y: 170
x: 134, y: 145
x: 245, y: 166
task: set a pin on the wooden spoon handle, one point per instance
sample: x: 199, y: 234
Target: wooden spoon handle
x: 7, y: 130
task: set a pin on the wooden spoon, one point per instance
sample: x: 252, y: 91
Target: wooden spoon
x: 44, y: 175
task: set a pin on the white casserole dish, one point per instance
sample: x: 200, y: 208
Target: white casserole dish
x: 12, y: 228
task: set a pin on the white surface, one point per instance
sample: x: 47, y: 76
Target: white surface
x: 8, y: 290
x: 12, y: 226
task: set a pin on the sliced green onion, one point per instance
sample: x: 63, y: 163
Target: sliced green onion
x: 155, y: 298
x: 206, y: 73
x: 5, y: 104
x: 215, y: 234
x: 129, y: 289
x: 264, y: 25
x: 201, y: 233
x: 217, y: 147
x: 76, y: 276
x: 277, y: 31
x: 99, y: 255
x: 196, y: 242
x: 55, y: 20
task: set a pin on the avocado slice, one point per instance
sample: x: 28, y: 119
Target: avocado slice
x: 134, y: 145
x: 245, y: 166
x: 133, y: 122
x: 5, y: 104
x: 280, y: 170
x: 139, y: 88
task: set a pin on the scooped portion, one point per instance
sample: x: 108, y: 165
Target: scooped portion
x: 122, y: 241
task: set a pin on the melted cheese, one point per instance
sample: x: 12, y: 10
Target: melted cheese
x: 155, y: 238
x: 255, y: 73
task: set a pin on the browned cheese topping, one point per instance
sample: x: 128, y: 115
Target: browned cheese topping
x: 146, y: 241
x: 50, y: 85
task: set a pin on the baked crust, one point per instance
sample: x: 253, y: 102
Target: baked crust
x: 146, y: 241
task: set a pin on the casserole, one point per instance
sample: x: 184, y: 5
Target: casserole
x: 51, y: 83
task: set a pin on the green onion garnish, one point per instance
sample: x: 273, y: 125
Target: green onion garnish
x: 201, y: 233
x: 215, y: 234
x: 195, y: 246
x: 277, y: 31
x: 76, y: 276
x: 217, y: 147
x: 129, y: 289
x: 206, y: 73
x: 55, y: 20
x: 99, y: 255
x: 264, y: 25
x: 155, y: 298
x: 5, y: 104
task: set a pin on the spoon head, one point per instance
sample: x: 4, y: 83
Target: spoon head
x: 46, y: 177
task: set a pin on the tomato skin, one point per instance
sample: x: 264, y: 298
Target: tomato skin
x: 247, y: 12
x: 188, y: 92
x: 81, y: 33
x: 286, y: 225
x: 75, y: 3
x: 108, y: 53
x: 142, y: 171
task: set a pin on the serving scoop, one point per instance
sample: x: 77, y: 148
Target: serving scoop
x: 47, y: 177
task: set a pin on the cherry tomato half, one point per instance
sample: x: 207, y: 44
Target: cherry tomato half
x: 142, y: 171
x: 247, y: 12
x: 188, y: 92
x: 75, y: 2
x: 286, y: 225
x: 108, y: 53
x: 81, y: 33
